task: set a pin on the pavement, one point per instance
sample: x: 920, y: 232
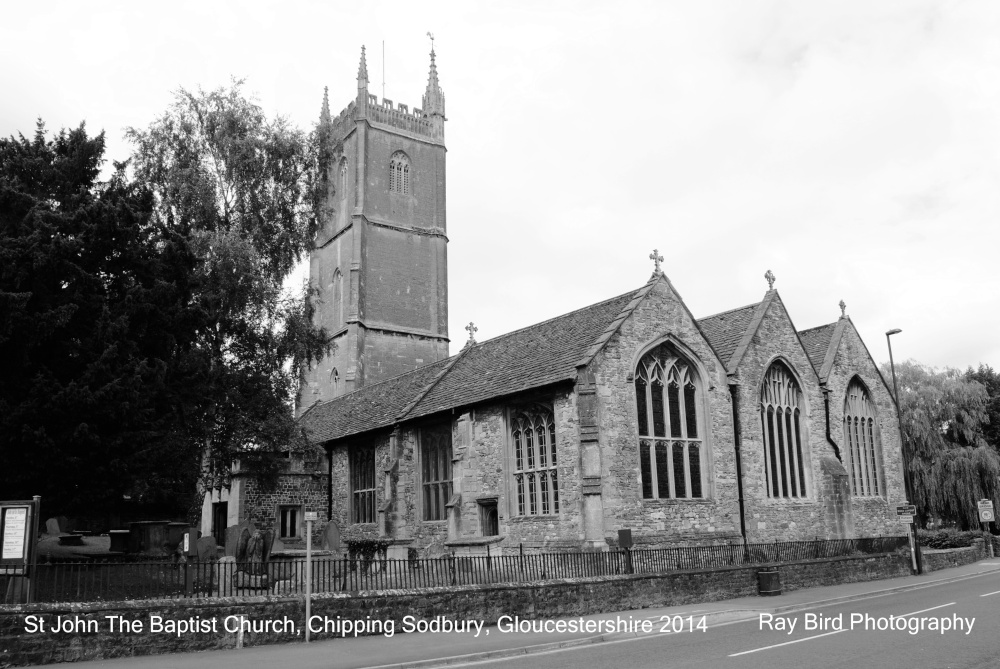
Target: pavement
x: 423, y: 650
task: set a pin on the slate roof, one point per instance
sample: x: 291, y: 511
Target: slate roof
x: 725, y: 331
x: 532, y: 357
x: 817, y: 342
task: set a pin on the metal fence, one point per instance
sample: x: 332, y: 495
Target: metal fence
x: 112, y: 581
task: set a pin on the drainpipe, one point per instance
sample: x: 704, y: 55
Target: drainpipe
x: 734, y: 390
x: 329, y: 482
x: 829, y: 437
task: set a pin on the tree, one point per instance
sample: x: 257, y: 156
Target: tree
x: 951, y: 465
x: 990, y: 380
x: 89, y: 300
x: 240, y: 188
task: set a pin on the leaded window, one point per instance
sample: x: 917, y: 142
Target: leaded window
x: 781, y: 420
x: 363, y: 484
x: 435, y: 460
x: 536, y: 481
x: 671, y: 448
x: 399, y: 173
x: 860, y: 439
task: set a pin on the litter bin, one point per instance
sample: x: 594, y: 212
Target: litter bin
x: 769, y: 583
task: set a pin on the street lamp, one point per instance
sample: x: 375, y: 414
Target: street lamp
x: 910, y: 496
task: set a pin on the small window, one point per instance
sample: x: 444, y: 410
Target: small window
x: 363, y: 484
x: 399, y: 173
x: 288, y: 522
x: 489, y: 524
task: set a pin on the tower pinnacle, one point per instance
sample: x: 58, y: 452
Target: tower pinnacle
x: 324, y: 112
x: 363, y: 71
x: 433, y: 102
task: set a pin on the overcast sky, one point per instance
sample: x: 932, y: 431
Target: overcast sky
x: 851, y: 147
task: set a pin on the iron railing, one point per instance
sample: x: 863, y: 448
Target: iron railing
x: 112, y: 581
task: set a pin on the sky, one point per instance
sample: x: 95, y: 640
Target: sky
x: 851, y: 147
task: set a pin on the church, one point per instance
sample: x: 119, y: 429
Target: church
x: 630, y: 413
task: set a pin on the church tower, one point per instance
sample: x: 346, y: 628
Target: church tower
x: 380, y: 259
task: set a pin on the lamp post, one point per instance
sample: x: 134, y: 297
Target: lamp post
x: 908, y: 486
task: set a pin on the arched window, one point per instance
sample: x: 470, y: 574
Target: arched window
x: 399, y: 173
x: 860, y: 435
x: 781, y: 420
x: 337, y: 288
x: 343, y: 178
x: 335, y: 379
x: 533, y: 436
x: 669, y: 407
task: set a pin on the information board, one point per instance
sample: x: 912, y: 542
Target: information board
x: 15, y: 537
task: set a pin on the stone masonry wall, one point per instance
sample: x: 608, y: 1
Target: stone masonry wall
x: 549, y: 599
x: 662, y: 522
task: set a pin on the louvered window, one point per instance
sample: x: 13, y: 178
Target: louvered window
x: 863, y: 462
x: 671, y: 447
x: 782, y: 422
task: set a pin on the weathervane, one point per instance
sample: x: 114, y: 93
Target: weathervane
x: 843, y: 309
x: 657, y: 259
x: 471, y: 328
x: 770, y: 279
x: 431, y: 35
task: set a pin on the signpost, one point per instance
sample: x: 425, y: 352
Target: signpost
x: 905, y: 514
x: 310, y: 517
x: 986, y: 516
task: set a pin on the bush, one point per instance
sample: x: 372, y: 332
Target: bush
x: 948, y: 538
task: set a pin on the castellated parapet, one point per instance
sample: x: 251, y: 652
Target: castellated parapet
x: 386, y: 113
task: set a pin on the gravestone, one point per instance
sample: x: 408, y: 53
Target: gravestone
x: 52, y: 527
x: 331, y: 537
x: 233, y: 534
x: 207, y: 550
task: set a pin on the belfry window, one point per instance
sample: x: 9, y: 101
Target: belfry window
x: 668, y: 403
x: 781, y: 421
x: 399, y: 173
x: 536, y: 482
x: 860, y: 434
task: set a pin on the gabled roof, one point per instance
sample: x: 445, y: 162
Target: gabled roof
x: 817, y: 344
x: 532, y: 357
x: 725, y: 331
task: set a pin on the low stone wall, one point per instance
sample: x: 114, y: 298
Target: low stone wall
x: 187, y: 625
x: 954, y: 557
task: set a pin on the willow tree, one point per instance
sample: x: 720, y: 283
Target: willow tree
x: 951, y: 465
x: 239, y: 188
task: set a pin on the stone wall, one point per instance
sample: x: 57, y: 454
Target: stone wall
x: 550, y: 599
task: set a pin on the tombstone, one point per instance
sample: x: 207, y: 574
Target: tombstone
x: 52, y: 527
x: 255, y: 552
x: 331, y: 537
x: 233, y: 533
x: 241, y: 545
x: 268, y: 546
x: 64, y: 524
x: 207, y: 550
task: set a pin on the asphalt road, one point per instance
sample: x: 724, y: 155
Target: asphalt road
x: 767, y: 642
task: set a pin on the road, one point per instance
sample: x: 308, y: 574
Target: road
x: 761, y: 643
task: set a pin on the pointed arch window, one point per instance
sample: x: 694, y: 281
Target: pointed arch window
x: 399, y: 173
x: 781, y: 420
x: 337, y: 288
x: 861, y: 438
x: 536, y: 480
x: 670, y: 415
x: 343, y: 178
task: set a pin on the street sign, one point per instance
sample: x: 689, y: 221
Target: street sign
x: 905, y: 519
x: 312, y: 515
x: 906, y: 510
x: 986, y: 513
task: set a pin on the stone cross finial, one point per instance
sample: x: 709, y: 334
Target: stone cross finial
x: 657, y: 259
x: 770, y: 279
x: 843, y: 309
x: 472, y: 330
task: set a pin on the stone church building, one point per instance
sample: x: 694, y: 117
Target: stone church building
x: 627, y: 414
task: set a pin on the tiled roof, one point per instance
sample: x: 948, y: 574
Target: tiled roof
x: 532, y: 357
x: 369, y: 408
x: 724, y: 331
x: 817, y: 342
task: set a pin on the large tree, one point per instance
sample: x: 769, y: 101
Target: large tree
x: 951, y: 465
x: 240, y: 188
x: 990, y: 380
x: 90, y: 295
